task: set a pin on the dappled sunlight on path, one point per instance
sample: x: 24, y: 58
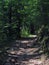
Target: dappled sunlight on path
x: 21, y: 53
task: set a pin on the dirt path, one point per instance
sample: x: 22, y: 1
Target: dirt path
x: 25, y: 52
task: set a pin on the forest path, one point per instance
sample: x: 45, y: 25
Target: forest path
x: 25, y: 52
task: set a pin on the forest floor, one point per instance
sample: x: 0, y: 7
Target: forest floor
x: 26, y: 52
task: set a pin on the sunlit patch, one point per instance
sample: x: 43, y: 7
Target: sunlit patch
x: 24, y: 41
x: 35, y: 62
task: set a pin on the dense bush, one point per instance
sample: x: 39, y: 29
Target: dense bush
x: 43, y: 38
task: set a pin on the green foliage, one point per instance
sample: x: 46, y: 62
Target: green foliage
x: 17, y: 15
x: 24, y: 33
x: 43, y: 38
